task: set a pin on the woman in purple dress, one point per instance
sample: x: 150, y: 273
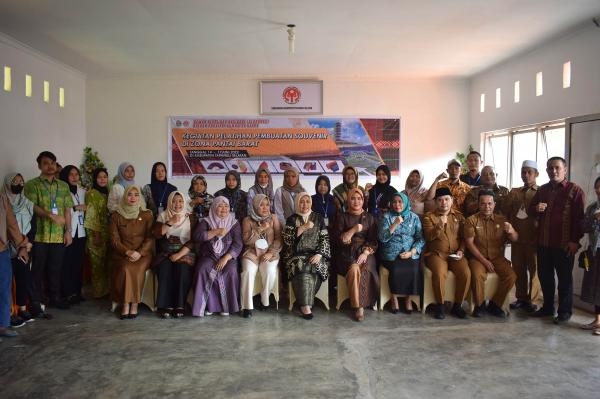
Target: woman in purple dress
x: 218, y: 240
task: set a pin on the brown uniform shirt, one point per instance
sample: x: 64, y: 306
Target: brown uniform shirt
x: 516, y: 210
x: 471, y: 205
x: 443, y: 239
x: 489, y: 234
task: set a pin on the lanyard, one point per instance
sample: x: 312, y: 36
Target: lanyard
x: 48, y: 187
x: 324, y: 206
x: 162, y: 197
x: 77, y: 198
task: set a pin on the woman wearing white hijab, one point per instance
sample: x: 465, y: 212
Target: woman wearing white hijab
x: 218, y: 241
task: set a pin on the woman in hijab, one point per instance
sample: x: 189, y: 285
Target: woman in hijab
x: 400, y: 245
x: 263, y: 184
x: 157, y: 192
x: 72, y: 270
x: 381, y: 193
x: 175, y: 258
x: 590, y: 287
x: 96, y: 226
x: 125, y: 178
x: 416, y: 193
x: 349, y: 181
x: 234, y: 194
x: 200, y: 199
x: 306, y: 252
x: 23, y: 211
x: 355, y: 236
x: 322, y: 200
x: 261, y: 233
x: 132, y: 243
x: 218, y: 241
x: 285, y: 196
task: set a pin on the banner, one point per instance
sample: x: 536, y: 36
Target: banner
x: 314, y: 145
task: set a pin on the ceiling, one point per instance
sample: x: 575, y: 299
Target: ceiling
x: 354, y: 38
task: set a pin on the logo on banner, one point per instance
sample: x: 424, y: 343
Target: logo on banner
x: 291, y: 95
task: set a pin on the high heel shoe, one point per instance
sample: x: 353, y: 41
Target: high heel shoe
x: 359, y: 315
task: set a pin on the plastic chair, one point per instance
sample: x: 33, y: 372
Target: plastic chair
x: 322, y: 295
x: 258, y: 287
x: 384, y: 289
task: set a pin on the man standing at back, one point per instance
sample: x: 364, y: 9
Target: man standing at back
x: 474, y: 162
x: 52, y: 204
x: 488, y: 182
x: 523, y: 251
x: 452, y: 181
x: 558, y: 206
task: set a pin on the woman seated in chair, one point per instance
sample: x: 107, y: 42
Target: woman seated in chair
x: 174, y: 262
x: 355, y: 236
x: 261, y: 232
x: 400, y: 245
x: 218, y: 241
x: 132, y: 243
x: 306, y: 252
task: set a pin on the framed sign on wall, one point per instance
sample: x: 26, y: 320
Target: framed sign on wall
x: 291, y: 97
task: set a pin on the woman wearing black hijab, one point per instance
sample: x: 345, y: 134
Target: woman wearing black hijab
x: 381, y: 193
x: 157, y: 192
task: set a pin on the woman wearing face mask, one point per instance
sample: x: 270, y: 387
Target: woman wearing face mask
x: 200, y: 199
x: 261, y: 232
x: 124, y: 179
x: 234, y: 194
x: 263, y: 184
x: 175, y: 260
x: 157, y: 192
x: 23, y: 210
x: 72, y: 269
x: 132, y: 243
x: 285, y: 195
x: 400, y: 245
x: 306, y: 253
x: 355, y: 236
x: 380, y: 193
x: 218, y: 241
x: 349, y: 182
x: 96, y: 226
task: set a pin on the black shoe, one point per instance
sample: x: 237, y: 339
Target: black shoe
x: 439, y: 311
x: 518, y: 304
x: 479, y: 311
x: 543, y: 313
x: 59, y: 303
x: 262, y: 307
x: 562, y: 318
x: 307, y: 316
x: 124, y: 316
x: 74, y: 300
x: 458, y: 311
x: 132, y: 315
x: 247, y: 313
x: 495, y: 310
x: 394, y: 311
x: 26, y: 316
x: 16, y: 322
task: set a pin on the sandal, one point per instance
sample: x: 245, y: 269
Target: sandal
x: 590, y: 326
x: 178, y: 313
x: 596, y: 331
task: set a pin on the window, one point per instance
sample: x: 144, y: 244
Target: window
x: 567, y: 74
x: 517, y: 91
x: 482, y: 103
x: 7, y: 78
x: 498, y: 98
x: 507, y: 149
x: 46, y: 91
x: 28, y: 87
x: 539, y: 84
x: 61, y: 97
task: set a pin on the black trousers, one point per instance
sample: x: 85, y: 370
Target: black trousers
x: 174, y: 281
x: 551, y: 260
x: 46, y: 258
x: 22, y: 274
x: 72, y: 270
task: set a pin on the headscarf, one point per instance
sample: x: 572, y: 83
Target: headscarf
x: 323, y: 203
x: 341, y: 190
x: 297, y: 205
x: 64, y: 176
x: 232, y: 194
x: 121, y: 179
x: 345, y: 183
x: 181, y: 229
x: 215, y: 222
x: 350, y: 193
x: 193, y: 194
x: 253, y: 210
x: 95, y: 186
x: 159, y: 188
x: 380, y: 187
x: 405, y: 205
x: 289, y: 193
x: 416, y: 195
x: 258, y: 189
x: 21, y: 206
x: 130, y: 211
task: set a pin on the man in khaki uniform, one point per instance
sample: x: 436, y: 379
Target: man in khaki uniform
x: 486, y: 234
x: 488, y: 182
x: 524, y: 250
x: 443, y: 230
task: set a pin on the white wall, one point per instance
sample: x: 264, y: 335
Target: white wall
x: 127, y: 118
x: 581, y: 46
x: 29, y: 125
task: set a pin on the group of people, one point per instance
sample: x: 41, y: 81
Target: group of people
x: 212, y: 247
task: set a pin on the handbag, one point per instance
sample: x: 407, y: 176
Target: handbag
x: 583, y: 260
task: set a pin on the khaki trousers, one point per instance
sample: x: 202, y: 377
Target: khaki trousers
x: 524, y: 261
x: 506, y: 280
x: 439, y: 273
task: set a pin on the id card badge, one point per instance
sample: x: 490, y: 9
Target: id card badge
x: 326, y: 221
x: 160, y: 210
x: 54, y: 209
x: 81, y: 220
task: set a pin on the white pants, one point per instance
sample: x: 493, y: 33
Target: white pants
x: 268, y: 274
